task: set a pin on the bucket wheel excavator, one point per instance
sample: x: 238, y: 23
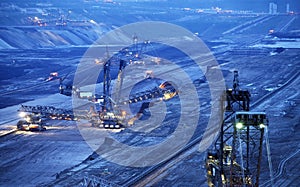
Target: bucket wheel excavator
x: 110, y: 116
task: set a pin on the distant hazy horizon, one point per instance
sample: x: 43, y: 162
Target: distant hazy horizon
x: 254, y: 5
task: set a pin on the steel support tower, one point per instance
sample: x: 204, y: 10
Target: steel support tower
x: 236, y: 157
